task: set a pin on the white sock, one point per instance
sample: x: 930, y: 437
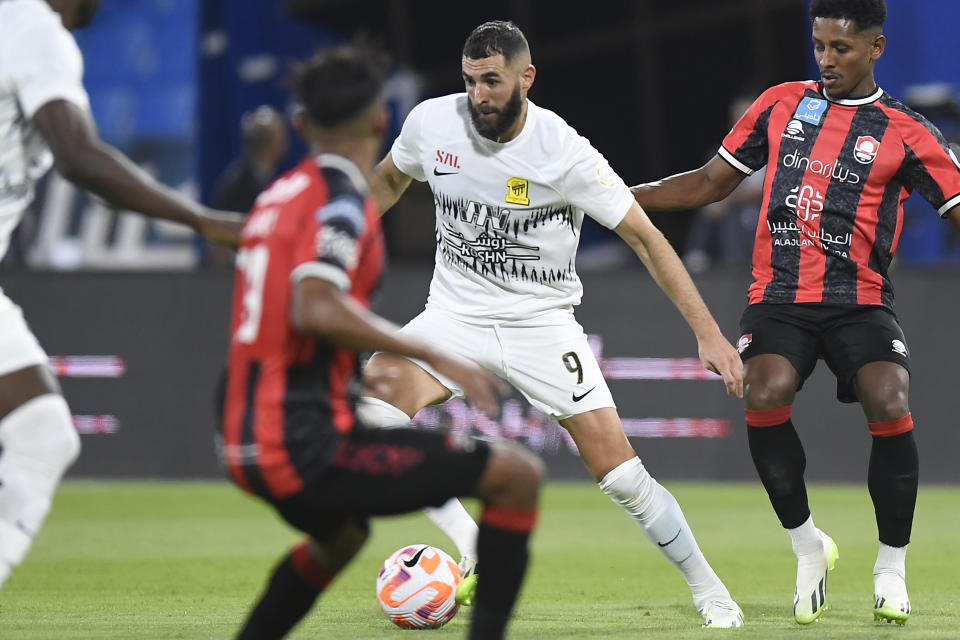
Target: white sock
x: 39, y: 443
x: 891, y: 560
x: 374, y: 412
x: 660, y: 518
x: 454, y: 521
x: 451, y: 517
x: 806, y: 539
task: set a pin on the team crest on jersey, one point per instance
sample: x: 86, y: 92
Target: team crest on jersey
x: 866, y: 149
x: 811, y: 110
x: 744, y: 342
x: 517, y: 191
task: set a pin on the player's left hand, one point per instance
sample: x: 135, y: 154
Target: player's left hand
x: 719, y: 356
x: 222, y: 227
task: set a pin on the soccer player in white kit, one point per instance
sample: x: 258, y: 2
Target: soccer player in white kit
x: 511, y: 183
x: 45, y: 118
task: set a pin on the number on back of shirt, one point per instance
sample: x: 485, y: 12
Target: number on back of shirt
x: 253, y: 264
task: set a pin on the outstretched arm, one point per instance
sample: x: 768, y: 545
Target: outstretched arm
x: 319, y: 308
x: 691, y: 190
x: 716, y: 353
x: 388, y: 183
x: 84, y: 159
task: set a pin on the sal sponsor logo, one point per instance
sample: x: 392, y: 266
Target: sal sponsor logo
x: 811, y: 110
x: 448, y: 164
x: 744, y: 342
x: 794, y: 131
x: 865, y: 151
x: 517, y: 191
x: 835, y: 171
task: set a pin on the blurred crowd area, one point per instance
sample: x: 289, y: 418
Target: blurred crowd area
x: 197, y: 91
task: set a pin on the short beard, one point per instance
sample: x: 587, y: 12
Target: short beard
x: 506, y: 117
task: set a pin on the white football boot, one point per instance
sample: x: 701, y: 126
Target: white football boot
x: 810, y: 596
x: 891, y: 603
x: 722, y: 614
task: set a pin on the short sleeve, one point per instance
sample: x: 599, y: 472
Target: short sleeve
x: 593, y: 186
x: 406, y: 150
x: 330, y: 248
x: 930, y: 166
x: 45, y: 65
x: 745, y: 148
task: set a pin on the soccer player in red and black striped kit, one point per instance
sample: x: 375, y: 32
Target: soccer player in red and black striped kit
x: 842, y: 155
x: 310, y: 257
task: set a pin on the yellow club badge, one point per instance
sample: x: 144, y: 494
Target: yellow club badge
x: 517, y: 191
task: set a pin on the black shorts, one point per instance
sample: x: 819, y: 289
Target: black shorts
x: 379, y: 472
x: 845, y: 336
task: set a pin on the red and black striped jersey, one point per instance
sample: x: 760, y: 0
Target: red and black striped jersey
x: 290, y: 395
x: 837, y: 175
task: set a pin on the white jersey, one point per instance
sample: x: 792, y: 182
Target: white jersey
x: 508, y: 215
x: 39, y: 62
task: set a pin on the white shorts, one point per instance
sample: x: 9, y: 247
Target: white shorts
x: 19, y: 348
x: 548, y: 359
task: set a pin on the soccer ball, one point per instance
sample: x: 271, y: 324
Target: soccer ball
x: 417, y: 587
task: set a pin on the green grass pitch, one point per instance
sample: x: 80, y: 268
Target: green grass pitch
x: 185, y: 560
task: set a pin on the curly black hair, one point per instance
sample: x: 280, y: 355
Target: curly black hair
x: 866, y: 13
x: 495, y: 37
x: 338, y: 84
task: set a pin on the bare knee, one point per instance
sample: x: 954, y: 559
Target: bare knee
x: 513, y: 476
x: 770, y: 382
x: 401, y: 383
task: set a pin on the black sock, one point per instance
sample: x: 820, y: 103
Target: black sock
x: 778, y: 456
x: 502, y: 547
x: 286, y: 600
x: 893, y: 479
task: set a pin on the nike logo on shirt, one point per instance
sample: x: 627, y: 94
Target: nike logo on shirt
x: 443, y: 173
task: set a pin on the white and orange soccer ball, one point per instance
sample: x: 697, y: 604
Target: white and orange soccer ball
x: 417, y: 587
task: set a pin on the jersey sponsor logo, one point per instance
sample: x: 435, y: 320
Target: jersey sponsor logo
x: 865, y: 151
x: 796, y: 161
x: 811, y: 110
x: 897, y: 346
x: 447, y: 159
x: 337, y: 245
x: 348, y: 209
x: 744, y: 342
x: 487, y: 248
x: 477, y: 213
x: 517, y: 191
x: 799, y: 235
x: 806, y: 202
x: 794, y: 131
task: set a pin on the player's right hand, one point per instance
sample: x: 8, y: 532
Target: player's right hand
x: 222, y: 227
x: 480, y: 386
x: 719, y: 356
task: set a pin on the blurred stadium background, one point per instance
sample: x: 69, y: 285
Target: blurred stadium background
x: 135, y: 312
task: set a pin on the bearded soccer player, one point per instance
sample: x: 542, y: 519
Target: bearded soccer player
x: 45, y: 120
x: 842, y: 155
x: 512, y: 183
x: 310, y: 257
